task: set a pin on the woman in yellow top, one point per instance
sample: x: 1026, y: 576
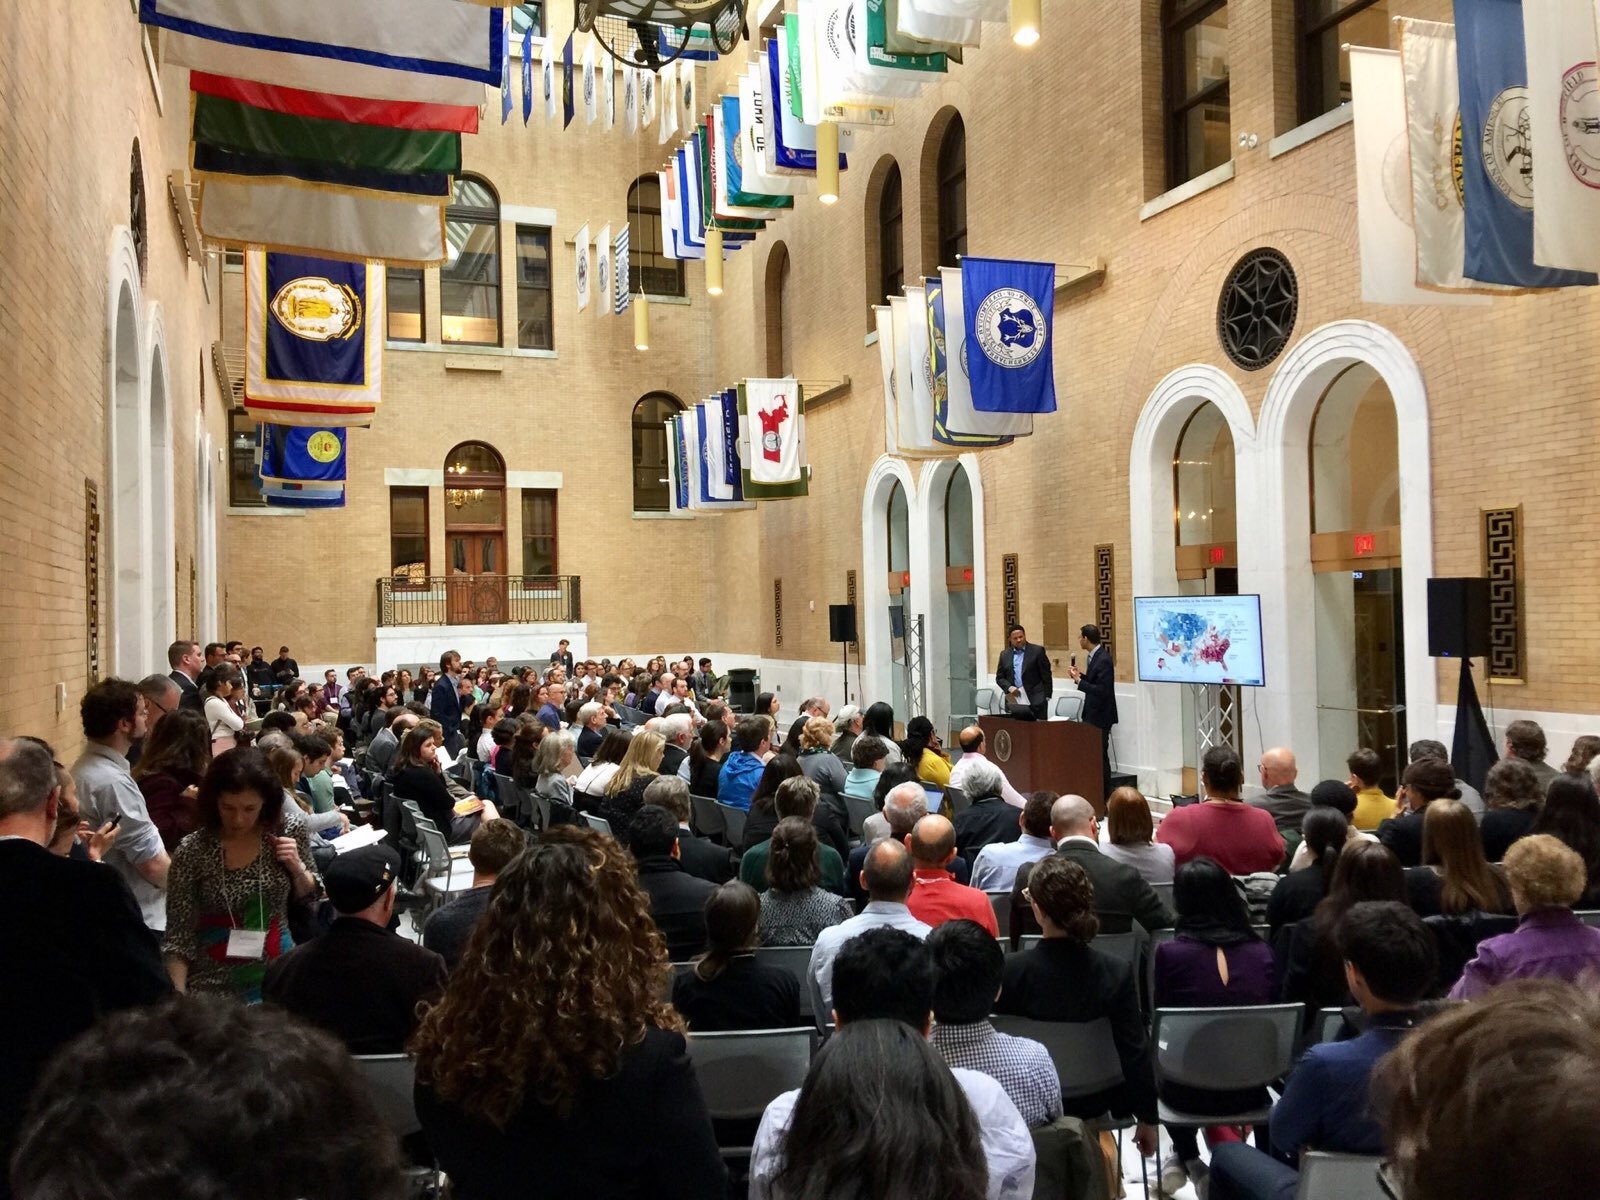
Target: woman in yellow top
x: 923, y: 751
x: 1373, y: 805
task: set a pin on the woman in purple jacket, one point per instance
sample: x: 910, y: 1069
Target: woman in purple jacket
x: 1216, y: 960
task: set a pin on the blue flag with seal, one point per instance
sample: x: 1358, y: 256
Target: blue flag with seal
x: 567, y: 106
x: 1007, y: 311
x: 300, y: 467
x: 505, y: 74
x: 732, y: 468
x: 1497, y: 149
x: 527, y: 74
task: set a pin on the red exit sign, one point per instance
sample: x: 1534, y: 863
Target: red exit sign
x: 1217, y: 554
x: 905, y: 579
x: 966, y: 575
x: 1364, y: 543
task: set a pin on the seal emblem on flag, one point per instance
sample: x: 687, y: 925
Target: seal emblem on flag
x: 323, y: 446
x: 1580, y: 123
x: 1507, y: 146
x: 1010, y: 328
x: 316, y: 309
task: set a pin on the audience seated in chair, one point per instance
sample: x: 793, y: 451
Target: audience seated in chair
x: 886, y: 879
x: 1243, y: 839
x: 995, y: 868
x: 990, y: 818
x: 702, y: 859
x: 736, y: 782
x: 1286, y: 803
x: 677, y: 898
x: 729, y: 987
x: 935, y: 895
x: 795, y: 796
x: 794, y: 909
x: 448, y: 930
x: 1424, y: 782
x: 873, y: 1096
x: 1389, y: 966
x: 1455, y: 877
x: 1324, y: 832
x: 1309, y: 959
x: 1130, y: 836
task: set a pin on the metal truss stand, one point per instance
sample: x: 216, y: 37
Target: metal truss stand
x: 916, y: 669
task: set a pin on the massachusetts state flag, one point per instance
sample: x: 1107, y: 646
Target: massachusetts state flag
x: 1008, y: 309
x: 313, y: 340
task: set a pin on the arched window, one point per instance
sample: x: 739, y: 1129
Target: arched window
x: 891, y: 242
x: 650, y: 478
x: 649, y: 269
x: 952, y: 179
x: 1195, y: 42
x: 469, y: 281
x: 779, y: 350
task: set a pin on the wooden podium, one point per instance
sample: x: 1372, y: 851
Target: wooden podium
x: 1056, y: 756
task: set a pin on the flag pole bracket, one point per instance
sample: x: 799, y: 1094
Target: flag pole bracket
x: 1081, y: 279
x: 821, y: 391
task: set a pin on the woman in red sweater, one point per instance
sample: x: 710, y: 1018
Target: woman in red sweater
x: 1242, y: 838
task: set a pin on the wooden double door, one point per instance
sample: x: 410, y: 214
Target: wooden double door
x: 476, y: 582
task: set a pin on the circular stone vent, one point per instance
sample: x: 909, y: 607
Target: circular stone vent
x: 1256, y: 311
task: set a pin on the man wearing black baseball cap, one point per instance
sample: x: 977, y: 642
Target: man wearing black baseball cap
x: 359, y: 981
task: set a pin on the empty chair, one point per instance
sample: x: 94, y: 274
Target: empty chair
x: 1326, y: 1176
x: 1164, y: 891
x: 1001, y: 903
x: 508, y: 798
x: 707, y: 816
x: 445, y: 876
x: 600, y: 823
x: 797, y: 961
x: 1084, y: 1053
x: 740, y: 1073
x: 984, y: 701
x: 1069, y: 707
x: 392, y: 1078
x: 1224, y: 1050
x: 733, y: 820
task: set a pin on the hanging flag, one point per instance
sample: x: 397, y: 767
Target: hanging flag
x: 567, y: 108
x: 955, y: 418
x: 791, y: 143
x: 1497, y: 150
x: 753, y: 143
x: 230, y: 125
x: 872, y: 52
x: 505, y: 80
x: 911, y: 21
x: 547, y: 65
x: 1383, y: 185
x: 732, y: 463
x: 739, y: 196
x: 675, y: 241
x: 527, y: 75
x: 303, y: 454
x: 714, y: 148
x: 687, y: 95
x: 913, y: 412
x: 717, y: 485
x: 324, y: 76
x: 1433, y: 139
x: 358, y: 110
x: 608, y: 90
x: 680, y: 463
x: 668, y: 125
x: 314, y: 333
x: 1008, y: 308
x: 397, y: 230
x: 630, y: 99
x: 845, y: 77
x: 919, y: 375
x: 1564, y: 107
x: 647, y: 98
x: 772, y: 433
x: 670, y: 428
x: 208, y: 162
x: 581, y: 248
x: 603, y: 285
x: 420, y: 37
x: 591, y: 95
x: 620, y: 298
x: 965, y: 10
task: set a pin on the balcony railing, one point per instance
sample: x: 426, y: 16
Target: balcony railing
x: 479, y: 600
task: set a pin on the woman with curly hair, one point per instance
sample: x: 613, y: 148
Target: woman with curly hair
x: 553, y: 1063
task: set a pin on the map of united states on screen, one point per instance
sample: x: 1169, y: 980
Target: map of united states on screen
x: 1199, y: 639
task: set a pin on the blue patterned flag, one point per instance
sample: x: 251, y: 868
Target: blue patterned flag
x: 621, y: 298
x: 527, y: 74
x: 1008, y: 310
x: 505, y: 76
x: 1497, y: 149
x: 567, y: 108
x: 300, y: 467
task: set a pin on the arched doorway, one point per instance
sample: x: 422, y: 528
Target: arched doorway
x: 475, y: 535
x: 951, y: 526
x: 163, y: 553
x: 1355, y: 562
x: 128, y: 504
x: 961, y: 618
x: 1206, y: 557
x: 887, y: 504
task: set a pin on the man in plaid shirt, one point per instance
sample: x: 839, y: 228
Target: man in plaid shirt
x: 967, y: 965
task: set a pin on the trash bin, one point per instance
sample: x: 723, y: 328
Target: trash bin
x: 742, y: 683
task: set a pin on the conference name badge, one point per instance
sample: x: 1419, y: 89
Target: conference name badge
x: 247, y: 943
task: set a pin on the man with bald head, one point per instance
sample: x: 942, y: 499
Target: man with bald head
x: 1286, y: 802
x: 886, y: 876
x: 935, y: 896
x: 1121, y: 895
x: 903, y: 807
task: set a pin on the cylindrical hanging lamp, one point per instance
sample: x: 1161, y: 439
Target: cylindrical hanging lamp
x: 1025, y: 18
x: 641, y: 322
x: 828, y: 160
x: 713, y: 262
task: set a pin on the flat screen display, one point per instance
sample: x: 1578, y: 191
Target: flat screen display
x: 1199, y: 639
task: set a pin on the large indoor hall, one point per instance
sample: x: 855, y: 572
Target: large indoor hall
x: 799, y: 600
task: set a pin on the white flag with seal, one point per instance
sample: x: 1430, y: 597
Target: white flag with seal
x: 777, y: 431
x: 552, y: 94
x: 602, y: 271
x: 1564, y: 104
x: 1433, y: 124
x: 647, y: 98
x: 608, y: 91
x: 1383, y: 184
x: 668, y: 125
x: 581, y: 247
x: 630, y: 99
x: 753, y: 139
x: 913, y: 426
x: 591, y: 98
x: 883, y: 315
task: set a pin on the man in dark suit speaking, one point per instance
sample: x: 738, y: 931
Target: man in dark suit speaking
x: 1098, y: 683
x: 1023, y: 675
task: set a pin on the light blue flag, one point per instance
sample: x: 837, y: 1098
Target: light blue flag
x: 1497, y: 148
x: 527, y: 74
x: 1008, y: 309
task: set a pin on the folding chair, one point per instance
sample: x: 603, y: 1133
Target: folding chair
x: 740, y: 1073
x: 797, y: 961
x: 984, y: 701
x: 594, y: 822
x: 1164, y: 891
x: 391, y: 1079
x: 445, y: 876
x: 956, y: 802
x: 706, y: 817
x: 859, y: 811
x: 1069, y: 707
x: 1224, y: 1050
x: 1327, y: 1176
x: 1326, y: 1026
x: 733, y: 820
x: 1001, y: 903
x: 508, y: 799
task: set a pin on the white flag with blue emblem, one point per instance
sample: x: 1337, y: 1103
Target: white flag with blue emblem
x: 547, y: 65
x: 602, y: 272
x: 883, y: 316
x: 668, y: 125
x: 961, y: 415
x: 1564, y: 105
x: 630, y: 99
x: 581, y: 249
x: 1008, y: 308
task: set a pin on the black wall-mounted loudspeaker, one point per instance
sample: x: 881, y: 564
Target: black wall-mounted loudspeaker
x: 841, y: 622
x: 1458, y: 618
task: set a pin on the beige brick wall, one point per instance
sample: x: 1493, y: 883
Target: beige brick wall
x: 77, y: 95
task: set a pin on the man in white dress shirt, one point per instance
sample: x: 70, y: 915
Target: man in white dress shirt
x: 972, y: 746
x: 887, y: 974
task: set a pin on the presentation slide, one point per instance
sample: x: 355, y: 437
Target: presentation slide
x: 1199, y: 639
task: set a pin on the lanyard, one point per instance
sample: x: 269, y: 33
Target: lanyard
x: 227, y: 901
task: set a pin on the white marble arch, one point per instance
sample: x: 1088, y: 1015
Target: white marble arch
x: 872, y: 595
x: 1283, y: 504
x: 125, y: 498
x: 163, y: 598
x: 928, y: 593
x: 205, y: 534
x: 1156, y: 726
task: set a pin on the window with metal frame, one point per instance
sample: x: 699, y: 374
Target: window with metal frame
x: 649, y: 270
x: 1195, y: 44
x: 535, y: 312
x: 469, y: 281
x: 650, y: 478
x: 891, y: 236
x: 403, y: 300
x: 952, y: 175
x: 1323, y: 28
x: 408, y: 534
x: 539, y: 548
x: 244, y: 487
